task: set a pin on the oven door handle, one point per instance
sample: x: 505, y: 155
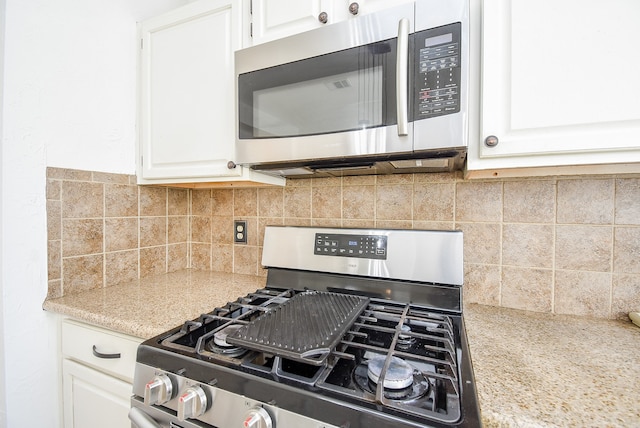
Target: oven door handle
x: 141, y: 420
x: 402, y: 71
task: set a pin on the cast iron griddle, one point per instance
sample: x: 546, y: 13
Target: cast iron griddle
x: 305, y: 328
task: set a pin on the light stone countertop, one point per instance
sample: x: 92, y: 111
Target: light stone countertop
x: 532, y: 369
x: 147, y: 307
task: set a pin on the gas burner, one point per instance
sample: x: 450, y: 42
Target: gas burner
x: 405, y: 341
x: 219, y: 343
x: 402, y: 381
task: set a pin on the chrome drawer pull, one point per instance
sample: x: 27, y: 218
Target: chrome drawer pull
x: 101, y: 355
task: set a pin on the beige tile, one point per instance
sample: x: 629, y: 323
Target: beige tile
x: 153, y: 201
x: 82, y: 273
x: 178, y: 229
x: 178, y: 201
x: 435, y: 177
x: 54, y: 220
x: 530, y: 201
x: 481, y: 242
x: 108, y: 177
x: 81, y: 237
x: 393, y: 224
x: 359, y: 202
x: 358, y: 223
x: 121, y: 267
x: 222, y: 258
x: 394, y: 179
x: 153, y: 231
x: 394, y: 202
x: 68, y: 174
x: 121, y: 233
x: 529, y: 245
x: 245, y: 260
x: 326, y: 202
x: 326, y: 181
x: 201, y: 229
x: 267, y: 221
x: 434, y: 225
x: 153, y: 261
x: 479, y: 201
x: 53, y: 189
x: 54, y: 289
x: 585, y: 201
x: 433, y: 201
x: 294, y: 221
x: 82, y: 199
x: 527, y: 288
x: 222, y: 202
x: 201, y: 256
x: 120, y: 200
x: 54, y: 260
x: 626, y: 252
x: 627, y: 206
x: 177, y: 256
x: 297, y: 202
x: 359, y: 180
x: 201, y: 202
x: 625, y: 296
x: 481, y: 284
x: 222, y: 230
x: 271, y: 202
x: 582, y: 293
x: 245, y: 202
x: 584, y: 247
x: 295, y: 182
x: 326, y: 222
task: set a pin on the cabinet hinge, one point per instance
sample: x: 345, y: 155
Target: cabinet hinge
x: 141, y: 43
x: 251, y: 30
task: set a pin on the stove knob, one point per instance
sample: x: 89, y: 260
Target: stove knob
x: 257, y: 417
x: 158, y: 391
x: 192, y: 403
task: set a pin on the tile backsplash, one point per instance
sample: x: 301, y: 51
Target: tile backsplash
x: 564, y: 245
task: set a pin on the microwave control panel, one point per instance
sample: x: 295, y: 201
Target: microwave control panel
x: 437, y: 71
x: 341, y: 245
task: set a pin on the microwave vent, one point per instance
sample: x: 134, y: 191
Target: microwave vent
x: 421, y: 163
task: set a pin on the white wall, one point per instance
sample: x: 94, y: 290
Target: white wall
x: 68, y: 101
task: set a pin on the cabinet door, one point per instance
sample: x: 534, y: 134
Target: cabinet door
x: 93, y: 399
x: 560, y: 83
x: 274, y: 19
x: 187, y: 113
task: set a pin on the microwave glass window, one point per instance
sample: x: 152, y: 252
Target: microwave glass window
x: 341, y: 101
x: 343, y: 91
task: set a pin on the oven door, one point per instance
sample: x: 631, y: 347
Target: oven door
x: 142, y: 416
x: 338, y: 91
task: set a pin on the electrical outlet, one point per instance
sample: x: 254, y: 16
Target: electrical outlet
x: 240, y: 232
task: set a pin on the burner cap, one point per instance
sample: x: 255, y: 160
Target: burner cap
x: 399, y: 374
x: 220, y: 337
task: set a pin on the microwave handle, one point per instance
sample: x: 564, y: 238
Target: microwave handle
x: 402, y: 66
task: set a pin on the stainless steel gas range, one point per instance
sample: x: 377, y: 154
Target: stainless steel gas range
x: 355, y: 328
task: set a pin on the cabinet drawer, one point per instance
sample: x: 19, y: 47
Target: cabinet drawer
x: 92, y: 346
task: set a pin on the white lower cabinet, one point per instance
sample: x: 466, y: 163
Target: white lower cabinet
x: 97, y: 376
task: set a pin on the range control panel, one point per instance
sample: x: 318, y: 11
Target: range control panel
x: 362, y: 246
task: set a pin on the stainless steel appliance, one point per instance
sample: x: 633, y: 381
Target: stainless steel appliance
x: 381, y: 93
x: 355, y: 328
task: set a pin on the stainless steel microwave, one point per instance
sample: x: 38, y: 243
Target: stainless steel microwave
x: 380, y: 93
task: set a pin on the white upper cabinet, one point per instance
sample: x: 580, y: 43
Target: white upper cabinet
x: 187, y: 96
x: 274, y: 19
x: 560, y: 86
